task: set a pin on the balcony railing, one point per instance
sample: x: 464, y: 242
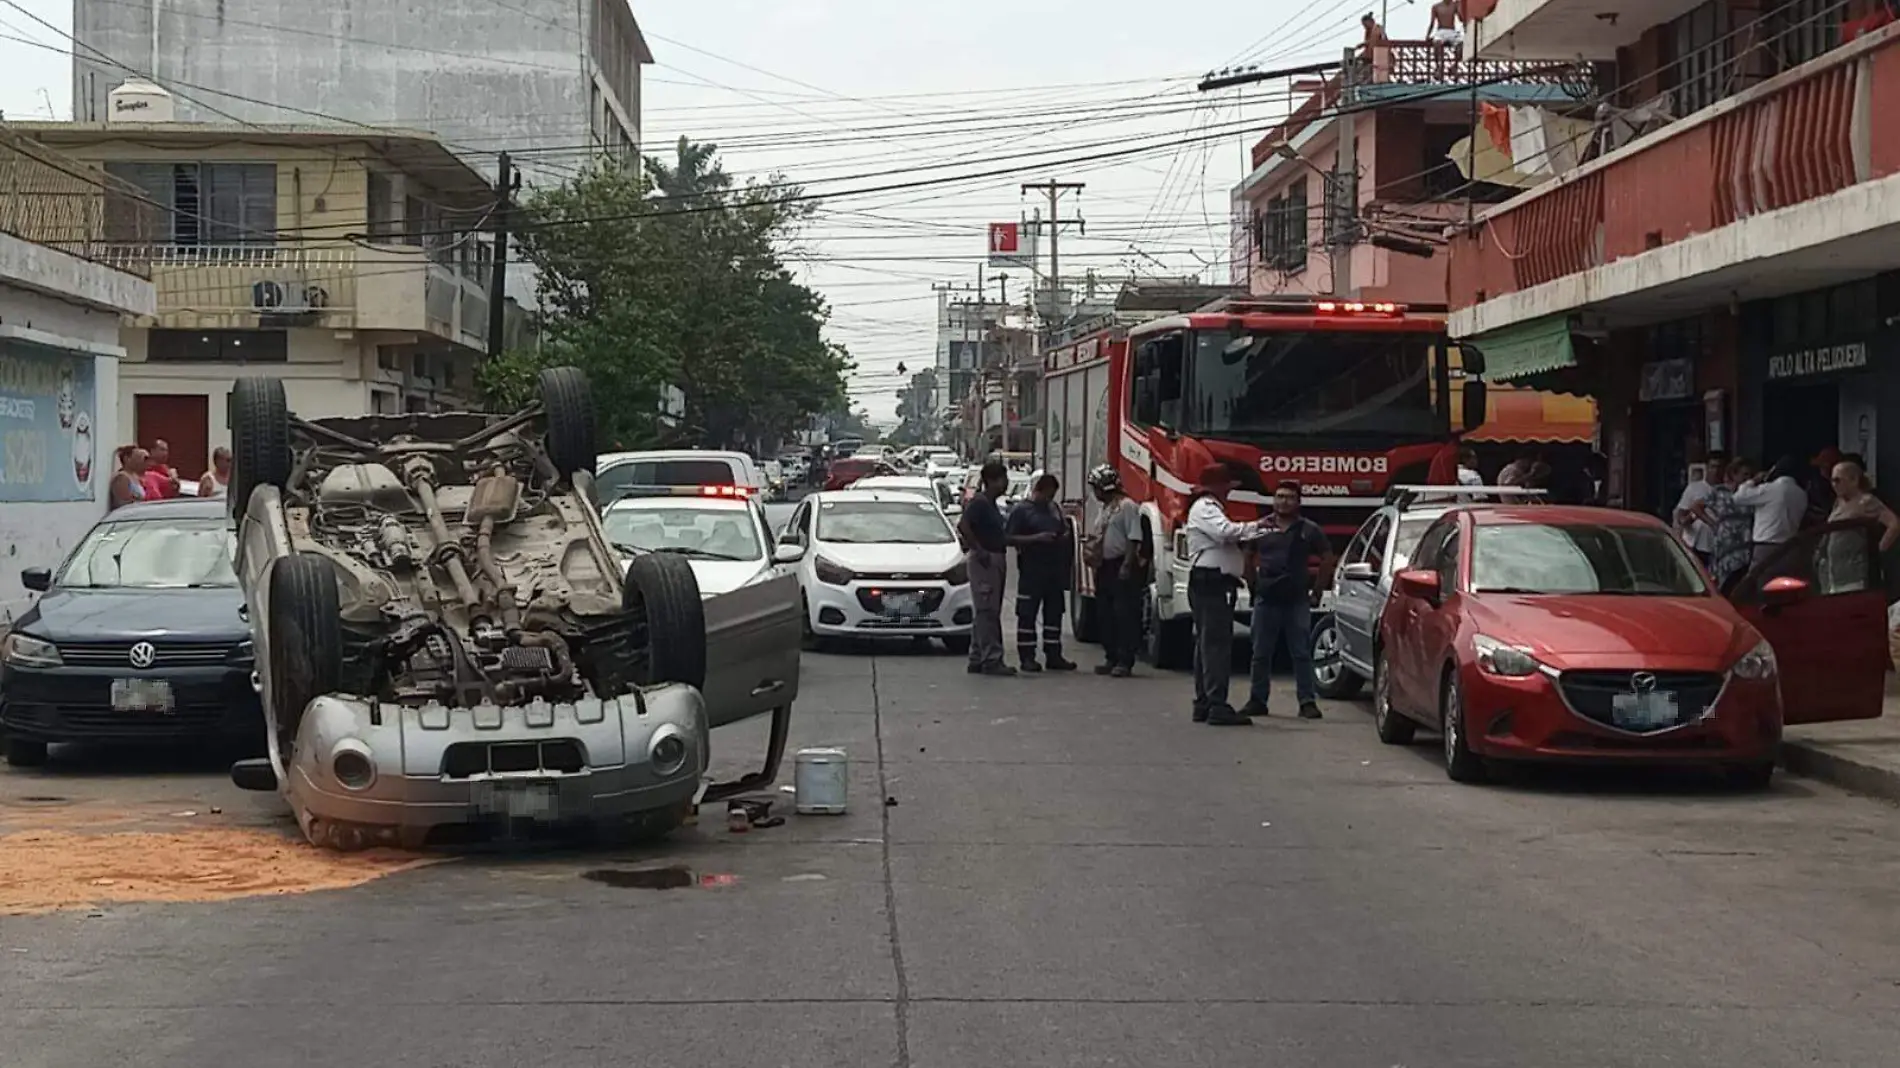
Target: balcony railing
x: 1422, y: 63
x: 338, y: 287
x: 51, y: 199
x: 1797, y: 137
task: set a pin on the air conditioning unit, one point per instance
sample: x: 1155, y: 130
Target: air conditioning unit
x: 288, y: 297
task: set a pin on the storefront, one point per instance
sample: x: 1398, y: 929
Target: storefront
x: 1820, y: 366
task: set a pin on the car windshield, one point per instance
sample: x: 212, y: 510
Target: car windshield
x: 1360, y: 389
x: 1410, y: 530
x: 153, y: 554
x: 615, y: 480
x: 1582, y: 558
x: 908, y: 522
x: 707, y: 533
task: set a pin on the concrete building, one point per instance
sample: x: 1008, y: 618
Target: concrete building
x: 1728, y: 249
x: 324, y: 256
x: 59, y: 358
x: 481, y: 76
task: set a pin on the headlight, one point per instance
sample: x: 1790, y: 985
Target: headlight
x: 20, y: 650
x: 958, y: 575
x: 832, y: 574
x: 244, y: 651
x: 1180, y: 545
x: 1508, y: 661
x: 1758, y: 663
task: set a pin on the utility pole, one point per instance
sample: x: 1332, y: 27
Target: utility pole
x: 1055, y: 222
x: 498, y: 278
x: 1342, y: 228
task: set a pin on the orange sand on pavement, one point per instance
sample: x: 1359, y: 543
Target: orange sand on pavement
x: 43, y: 870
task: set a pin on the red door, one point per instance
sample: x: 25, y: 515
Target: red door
x: 1831, y: 643
x: 183, y: 421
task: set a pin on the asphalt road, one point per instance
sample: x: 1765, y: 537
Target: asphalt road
x: 1067, y: 873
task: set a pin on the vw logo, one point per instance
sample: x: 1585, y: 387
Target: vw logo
x: 1641, y: 682
x: 143, y: 655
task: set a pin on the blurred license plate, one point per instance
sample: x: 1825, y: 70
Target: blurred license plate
x: 141, y: 695
x: 518, y: 800
x: 903, y: 604
x: 1640, y: 711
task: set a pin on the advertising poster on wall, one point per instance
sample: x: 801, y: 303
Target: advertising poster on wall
x: 48, y: 441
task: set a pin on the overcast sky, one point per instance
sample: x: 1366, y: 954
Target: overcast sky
x: 828, y: 90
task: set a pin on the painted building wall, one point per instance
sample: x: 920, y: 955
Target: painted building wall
x: 40, y: 533
x: 477, y: 74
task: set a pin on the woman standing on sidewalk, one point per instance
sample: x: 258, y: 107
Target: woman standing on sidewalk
x: 1730, y: 523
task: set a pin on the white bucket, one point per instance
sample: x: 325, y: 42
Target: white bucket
x: 820, y: 776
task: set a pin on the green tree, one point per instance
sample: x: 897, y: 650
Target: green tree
x: 668, y: 275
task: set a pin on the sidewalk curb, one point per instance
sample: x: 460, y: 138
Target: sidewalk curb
x: 1827, y: 764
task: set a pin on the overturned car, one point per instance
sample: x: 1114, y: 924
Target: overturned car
x: 448, y: 646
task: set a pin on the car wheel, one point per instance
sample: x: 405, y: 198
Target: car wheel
x: 25, y: 753
x: 1393, y: 727
x: 810, y: 640
x: 1750, y: 777
x: 569, y: 401
x: 1336, y: 680
x: 1461, y: 763
x: 663, y: 606
x: 305, y: 638
x: 260, y: 439
x: 958, y: 644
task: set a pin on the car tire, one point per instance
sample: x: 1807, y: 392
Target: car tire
x: 305, y: 638
x: 1461, y: 763
x: 1082, y: 618
x: 958, y: 644
x: 1393, y: 726
x: 809, y: 640
x: 661, y: 598
x: 568, y: 398
x: 260, y: 439
x: 1344, y: 681
x: 25, y: 753
x: 1750, y: 778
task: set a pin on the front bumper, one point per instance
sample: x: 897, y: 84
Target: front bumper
x: 1530, y: 718
x: 439, y: 771
x: 74, y: 704
x: 876, y: 609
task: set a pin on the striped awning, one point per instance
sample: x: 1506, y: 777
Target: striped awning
x: 1525, y: 348
x: 1513, y: 413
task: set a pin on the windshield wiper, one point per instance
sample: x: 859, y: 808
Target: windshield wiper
x: 701, y: 554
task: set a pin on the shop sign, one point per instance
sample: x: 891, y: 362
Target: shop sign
x: 1666, y: 380
x: 47, y: 451
x: 1824, y: 359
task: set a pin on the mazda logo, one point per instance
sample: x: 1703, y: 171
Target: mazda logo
x: 1642, y: 682
x: 143, y: 655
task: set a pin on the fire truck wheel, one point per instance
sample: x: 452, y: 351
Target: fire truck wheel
x: 1168, y: 644
x: 1082, y: 618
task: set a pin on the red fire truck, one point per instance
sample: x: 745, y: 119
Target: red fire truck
x: 1345, y: 398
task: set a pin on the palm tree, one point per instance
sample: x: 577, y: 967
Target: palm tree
x: 692, y: 173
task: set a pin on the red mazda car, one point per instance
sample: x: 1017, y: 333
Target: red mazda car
x: 1588, y: 634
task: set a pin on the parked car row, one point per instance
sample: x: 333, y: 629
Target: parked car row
x: 1528, y: 632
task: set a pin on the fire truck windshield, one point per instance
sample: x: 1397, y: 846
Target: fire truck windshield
x: 1364, y: 390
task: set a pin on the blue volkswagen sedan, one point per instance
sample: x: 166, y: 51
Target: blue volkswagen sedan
x: 139, y: 637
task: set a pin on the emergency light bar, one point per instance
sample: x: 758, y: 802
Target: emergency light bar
x: 1297, y: 306
x: 739, y: 493
x: 1333, y: 307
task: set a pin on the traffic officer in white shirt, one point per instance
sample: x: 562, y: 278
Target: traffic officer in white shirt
x: 1778, y: 502
x: 1216, y: 565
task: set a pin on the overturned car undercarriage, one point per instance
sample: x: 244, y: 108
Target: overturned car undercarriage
x: 445, y: 637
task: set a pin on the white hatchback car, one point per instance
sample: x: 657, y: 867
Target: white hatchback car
x: 880, y: 563
x: 928, y: 488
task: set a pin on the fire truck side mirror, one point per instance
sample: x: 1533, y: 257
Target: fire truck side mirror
x: 1475, y: 403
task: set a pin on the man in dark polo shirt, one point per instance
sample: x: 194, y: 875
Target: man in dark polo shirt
x: 1282, y: 599
x: 1040, y: 533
